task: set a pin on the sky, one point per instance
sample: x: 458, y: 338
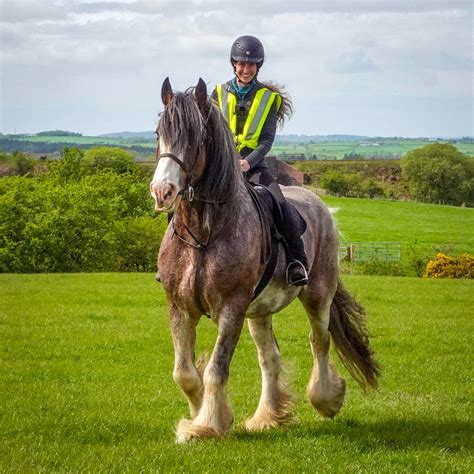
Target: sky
x: 372, y: 67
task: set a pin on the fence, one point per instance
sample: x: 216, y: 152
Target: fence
x: 371, y: 251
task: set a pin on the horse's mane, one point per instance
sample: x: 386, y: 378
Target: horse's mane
x: 184, y: 126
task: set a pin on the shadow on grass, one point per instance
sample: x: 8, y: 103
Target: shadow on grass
x: 392, y: 434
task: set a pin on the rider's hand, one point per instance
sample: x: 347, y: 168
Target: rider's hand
x: 244, y: 165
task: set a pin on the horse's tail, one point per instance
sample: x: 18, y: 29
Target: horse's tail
x: 351, y: 339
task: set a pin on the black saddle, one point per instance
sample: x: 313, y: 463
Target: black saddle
x: 271, y: 218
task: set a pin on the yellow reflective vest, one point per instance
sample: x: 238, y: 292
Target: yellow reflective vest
x: 258, y: 113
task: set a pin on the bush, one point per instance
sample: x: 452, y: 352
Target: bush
x: 69, y: 222
x: 139, y: 240
x: 335, y: 182
x: 113, y: 159
x: 444, y: 266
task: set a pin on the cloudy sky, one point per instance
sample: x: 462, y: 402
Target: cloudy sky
x: 375, y: 67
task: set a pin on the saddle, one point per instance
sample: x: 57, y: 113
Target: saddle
x: 271, y: 218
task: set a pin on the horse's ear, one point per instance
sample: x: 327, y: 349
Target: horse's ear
x: 201, y: 92
x: 166, y: 92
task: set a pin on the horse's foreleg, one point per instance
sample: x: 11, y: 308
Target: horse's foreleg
x: 185, y: 374
x: 276, y: 403
x: 326, y: 389
x: 215, y: 414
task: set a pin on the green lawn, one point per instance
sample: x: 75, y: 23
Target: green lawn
x: 428, y: 225
x: 86, y: 383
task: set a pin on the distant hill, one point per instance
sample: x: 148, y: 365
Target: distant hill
x: 147, y: 134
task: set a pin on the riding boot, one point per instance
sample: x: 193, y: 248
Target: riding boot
x: 290, y: 229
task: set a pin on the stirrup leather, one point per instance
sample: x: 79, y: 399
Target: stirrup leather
x: 302, y: 280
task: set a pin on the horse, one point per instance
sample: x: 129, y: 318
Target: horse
x: 210, y: 262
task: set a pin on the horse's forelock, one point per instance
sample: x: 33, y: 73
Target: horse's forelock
x: 181, y: 124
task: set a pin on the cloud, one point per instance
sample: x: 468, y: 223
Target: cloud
x: 355, y: 61
x: 112, y: 54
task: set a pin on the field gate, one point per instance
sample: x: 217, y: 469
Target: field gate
x: 371, y: 251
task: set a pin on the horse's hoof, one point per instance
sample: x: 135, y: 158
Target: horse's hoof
x: 187, y: 432
x: 257, y: 424
x: 328, y: 402
x: 268, y: 421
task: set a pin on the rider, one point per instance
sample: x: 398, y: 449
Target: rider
x: 252, y: 110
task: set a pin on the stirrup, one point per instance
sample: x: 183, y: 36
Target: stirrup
x: 301, y: 281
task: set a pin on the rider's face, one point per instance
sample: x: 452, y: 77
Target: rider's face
x: 245, y: 72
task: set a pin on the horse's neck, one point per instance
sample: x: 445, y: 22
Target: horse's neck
x: 196, y: 217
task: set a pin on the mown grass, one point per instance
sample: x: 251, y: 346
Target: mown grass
x: 86, y: 383
x: 429, y: 226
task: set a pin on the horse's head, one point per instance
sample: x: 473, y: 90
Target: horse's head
x: 180, y: 153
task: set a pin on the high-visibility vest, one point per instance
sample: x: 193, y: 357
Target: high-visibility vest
x: 258, y: 113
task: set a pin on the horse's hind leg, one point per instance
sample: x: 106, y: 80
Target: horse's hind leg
x: 326, y: 389
x: 185, y: 374
x: 215, y: 414
x: 275, y: 406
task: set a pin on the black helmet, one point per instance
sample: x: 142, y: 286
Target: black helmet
x: 248, y: 49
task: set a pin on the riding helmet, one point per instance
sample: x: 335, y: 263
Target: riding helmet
x: 249, y: 49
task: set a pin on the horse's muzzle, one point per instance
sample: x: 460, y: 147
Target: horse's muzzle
x: 165, y: 195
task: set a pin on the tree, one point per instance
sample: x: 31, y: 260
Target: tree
x: 439, y: 173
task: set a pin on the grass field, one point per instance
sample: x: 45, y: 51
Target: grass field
x: 335, y: 150
x: 430, y: 226
x: 86, y: 383
x: 86, y: 140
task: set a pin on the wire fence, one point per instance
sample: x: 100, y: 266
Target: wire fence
x: 371, y: 251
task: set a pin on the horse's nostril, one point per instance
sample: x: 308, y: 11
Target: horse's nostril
x: 168, y: 194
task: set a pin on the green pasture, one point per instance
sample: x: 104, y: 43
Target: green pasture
x: 424, y: 227
x: 89, y: 140
x: 86, y: 383
x: 335, y: 150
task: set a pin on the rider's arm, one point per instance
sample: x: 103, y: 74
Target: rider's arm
x: 265, y: 141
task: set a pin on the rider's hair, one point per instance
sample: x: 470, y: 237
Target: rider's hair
x: 286, y: 109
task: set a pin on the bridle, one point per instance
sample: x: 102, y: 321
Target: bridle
x: 188, y: 191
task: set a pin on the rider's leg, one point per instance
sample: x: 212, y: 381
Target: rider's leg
x: 297, y: 270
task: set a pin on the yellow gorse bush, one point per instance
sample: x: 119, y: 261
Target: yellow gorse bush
x: 444, y: 266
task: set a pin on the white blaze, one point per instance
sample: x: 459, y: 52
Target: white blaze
x: 167, y: 170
